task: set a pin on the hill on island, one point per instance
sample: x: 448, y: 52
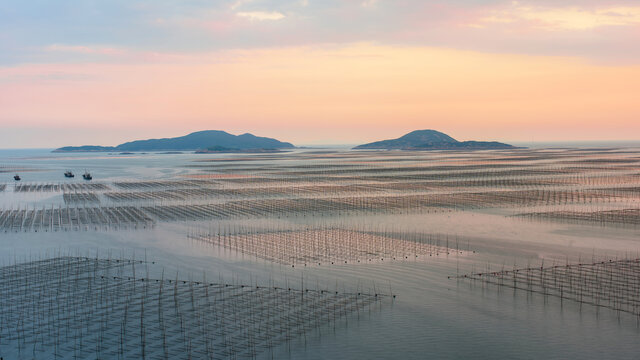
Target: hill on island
x: 432, y: 140
x: 208, y: 139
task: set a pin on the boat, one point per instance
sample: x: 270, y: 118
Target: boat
x: 87, y: 176
x: 16, y: 177
x: 68, y: 174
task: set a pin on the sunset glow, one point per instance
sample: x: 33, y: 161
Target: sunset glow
x: 319, y: 179
x: 289, y: 77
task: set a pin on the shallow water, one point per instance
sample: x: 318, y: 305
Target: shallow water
x: 434, y: 314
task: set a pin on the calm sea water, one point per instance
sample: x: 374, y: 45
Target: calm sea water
x: 432, y: 316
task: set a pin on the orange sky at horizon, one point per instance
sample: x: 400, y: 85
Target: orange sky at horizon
x: 329, y: 94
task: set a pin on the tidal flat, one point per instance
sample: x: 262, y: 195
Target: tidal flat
x: 316, y: 254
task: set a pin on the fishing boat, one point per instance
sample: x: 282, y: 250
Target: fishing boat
x: 16, y: 177
x: 68, y: 174
x: 87, y: 176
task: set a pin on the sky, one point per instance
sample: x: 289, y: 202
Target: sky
x: 76, y: 72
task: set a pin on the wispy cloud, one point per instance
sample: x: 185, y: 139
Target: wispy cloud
x: 593, y: 29
x: 261, y: 15
x: 97, y: 50
x: 561, y: 18
x: 238, y: 4
x: 369, y: 3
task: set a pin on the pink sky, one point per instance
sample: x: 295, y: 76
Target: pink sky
x: 336, y: 92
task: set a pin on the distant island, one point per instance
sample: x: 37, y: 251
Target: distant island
x: 432, y: 140
x: 202, y: 141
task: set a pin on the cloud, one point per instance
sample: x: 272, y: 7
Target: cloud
x: 99, y: 50
x: 369, y: 3
x: 561, y: 18
x: 238, y: 4
x: 261, y: 15
x: 593, y: 29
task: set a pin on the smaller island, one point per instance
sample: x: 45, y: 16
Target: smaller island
x: 432, y: 140
x: 85, y: 148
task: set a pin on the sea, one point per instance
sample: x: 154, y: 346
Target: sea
x: 434, y: 313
